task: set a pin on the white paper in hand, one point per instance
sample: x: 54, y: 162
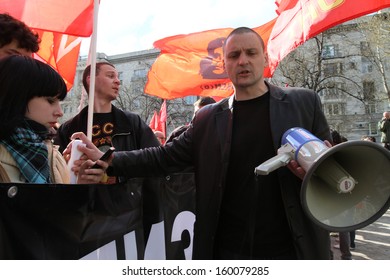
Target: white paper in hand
x: 75, y: 155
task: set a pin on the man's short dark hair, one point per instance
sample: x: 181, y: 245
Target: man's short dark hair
x: 14, y: 29
x: 243, y: 30
x: 87, y: 73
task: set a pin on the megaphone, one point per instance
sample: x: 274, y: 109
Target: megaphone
x: 346, y: 187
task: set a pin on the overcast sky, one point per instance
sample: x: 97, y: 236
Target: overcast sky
x: 133, y: 25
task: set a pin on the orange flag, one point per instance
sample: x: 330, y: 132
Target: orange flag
x: 192, y: 65
x: 300, y: 20
x: 58, y: 23
x: 61, y: 51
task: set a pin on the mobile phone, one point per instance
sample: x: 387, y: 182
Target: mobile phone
x: 104, y: 157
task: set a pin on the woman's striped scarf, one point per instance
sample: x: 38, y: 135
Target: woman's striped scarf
x: 29, y: 150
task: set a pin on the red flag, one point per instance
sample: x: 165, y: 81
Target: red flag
x: 284, y: 5
x: 163, y: 118
x: 163, y: 112
x: 155, y: 121
x: 73, y: 17
x: 57, y: 23
x: 61, y: 51
x: 158, y: 121
x: 192, y: 65
x: 300, y: 20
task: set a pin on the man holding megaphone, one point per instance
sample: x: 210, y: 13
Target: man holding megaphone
x: 240, y: 215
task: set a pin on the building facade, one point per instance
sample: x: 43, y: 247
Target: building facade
x: 349, y: 66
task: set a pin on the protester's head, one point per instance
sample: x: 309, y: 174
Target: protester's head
x: 24, y: 82
x: 244, y: 57
x: 203, y: 101
x: 240, y: 31
x: 16, y: 37
x: 106, y: 77
x: 160, y: 136
x: 368, y: 138
x: 336, y: 137
x: 386, y: 115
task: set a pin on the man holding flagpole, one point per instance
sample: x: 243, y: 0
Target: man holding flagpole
x: 112, y: 127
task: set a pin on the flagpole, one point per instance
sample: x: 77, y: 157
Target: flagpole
x: 92, y: 54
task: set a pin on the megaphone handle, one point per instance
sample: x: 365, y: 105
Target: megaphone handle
x: 273, y: 163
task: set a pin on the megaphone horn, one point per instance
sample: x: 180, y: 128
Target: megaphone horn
x: 346, y: 187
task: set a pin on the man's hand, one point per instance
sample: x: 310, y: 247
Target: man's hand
x: 295, y: 168
x: 91, y: 155
x: 90, y: 150
x: 88, y: 175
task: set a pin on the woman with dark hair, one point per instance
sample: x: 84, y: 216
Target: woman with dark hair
x: 30, y: 95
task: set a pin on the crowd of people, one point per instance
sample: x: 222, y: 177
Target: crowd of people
x: 239, y: 215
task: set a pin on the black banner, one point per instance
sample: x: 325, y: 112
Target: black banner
x: 141, y: 219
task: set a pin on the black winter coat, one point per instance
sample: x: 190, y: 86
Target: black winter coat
x: 206, y: 146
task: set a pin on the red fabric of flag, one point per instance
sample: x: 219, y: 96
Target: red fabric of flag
x: 154, y: 122
x: 61, y: 51
x: 73, y: 17
x: 57, y: 23
x: 192, y: 65
x: 158, y: 120
x: 283, y: 5
x: 163, y: 118
x: 163, y: 112
x: 300, y: 20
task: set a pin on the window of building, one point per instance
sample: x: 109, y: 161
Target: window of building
x: 332, y: 90
x: 331, y: 69
x: 140, y: 73
x: 190, y: 99
x: 365, y: 47
x: 137, y: 104
x: 366, y: 65
x: 371, y: 108
x: 65, y: 109
x: 120, y: 77
x: 329, y: 51
x: 373, y: 128
x: 334, y: 109
x: 369, y: 90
